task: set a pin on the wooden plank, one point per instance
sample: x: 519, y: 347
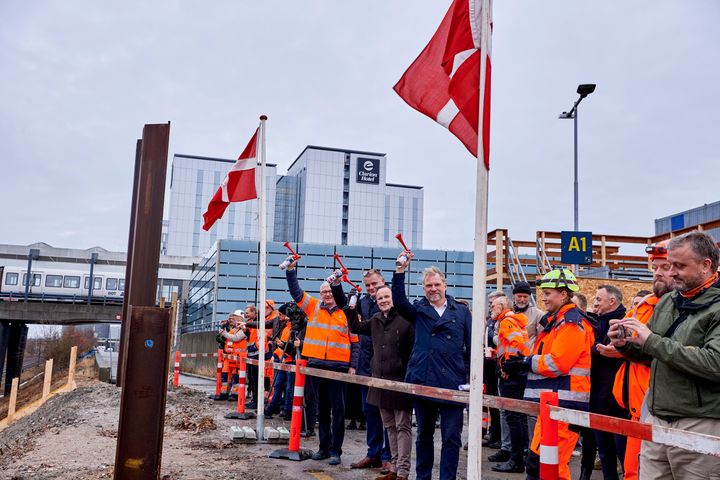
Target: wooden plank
x: 13, y: 398
x: 47, y: 380
x: 71, y: 368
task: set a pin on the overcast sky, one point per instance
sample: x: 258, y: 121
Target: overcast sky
x: 80, y: 79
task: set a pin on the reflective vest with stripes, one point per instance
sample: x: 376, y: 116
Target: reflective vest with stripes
x: 512, y: 335
x: 235, y: 348
x: 327, y: 336
x: 561, y: 359
x: 632, y: 378
x: 284, y: 337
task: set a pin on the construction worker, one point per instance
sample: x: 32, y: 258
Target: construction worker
x: 682, y: 340
x: 235, y: 345
x: 512, y: 340
x: 560, y: 362
x: 286, y: 344
x: 632, y: 379
x: 271, y: 324
x: 328, y: 345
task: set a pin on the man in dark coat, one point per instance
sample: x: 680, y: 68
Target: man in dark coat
x: 611, y: 448
x: 392, y: 339
x: 378, y: 451
x: 440, y: 358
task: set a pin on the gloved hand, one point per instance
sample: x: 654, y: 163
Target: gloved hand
x: 517, y: 364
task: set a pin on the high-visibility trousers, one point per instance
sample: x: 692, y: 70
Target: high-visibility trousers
x: 632, y: 456
x: 566, y: 445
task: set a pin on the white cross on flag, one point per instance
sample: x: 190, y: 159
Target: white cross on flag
x: 238, y: 185
x: 444, y: 81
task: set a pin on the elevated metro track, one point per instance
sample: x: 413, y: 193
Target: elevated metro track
x: 58, y: 313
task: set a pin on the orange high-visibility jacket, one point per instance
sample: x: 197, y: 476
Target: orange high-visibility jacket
x: 284, y: 337
x: 327, y: 336
x: 235, y: 348
x: 254, y: 332
x: 561, y: 359
x: 632, y: 379
x: 512, y: 335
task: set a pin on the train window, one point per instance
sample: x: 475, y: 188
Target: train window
x: 53, y: 281
x: 97, y: 283
x: 71, y: 281
x: 121, y: 285
x: 111, y: 284
x: 36, y: 278
x: 11, y: 278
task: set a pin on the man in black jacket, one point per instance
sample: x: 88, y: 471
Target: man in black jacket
x: 607, y: 306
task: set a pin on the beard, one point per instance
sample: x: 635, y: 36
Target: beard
x: 660, y: 288
x: 520, y: 307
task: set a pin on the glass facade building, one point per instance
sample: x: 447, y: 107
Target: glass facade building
x: 193, y: 182
x: 341, y: 197
x: 227, y: 277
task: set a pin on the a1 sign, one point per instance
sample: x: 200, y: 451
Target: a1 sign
x: 576, y: 248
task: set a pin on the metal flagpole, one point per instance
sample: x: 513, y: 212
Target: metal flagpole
x: 262, y: 267
x: 477, y: 350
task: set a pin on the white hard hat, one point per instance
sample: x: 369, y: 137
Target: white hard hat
x: 239, y: 313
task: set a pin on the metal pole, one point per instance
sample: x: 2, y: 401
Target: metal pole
x: 93, y: 258
x: 262, y: 264
x: 32, y: 254
x: 577, y: 215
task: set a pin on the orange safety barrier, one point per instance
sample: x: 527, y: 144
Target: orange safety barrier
x: 694, y: 442
x: 218, y: 375
x: 176, y: 370
x: 293, y: 451
x: 241, y: 414
x: 549, y: 465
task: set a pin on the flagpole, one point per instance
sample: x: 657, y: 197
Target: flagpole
x: 477, y: 350
x: 262, y: 261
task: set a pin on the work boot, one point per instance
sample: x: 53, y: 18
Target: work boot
x: 320, y: 455
x: 509, y: 467
x: 386, y: 467
x: 499, y: 456
x: 367, y: 462
x: 334, y: 460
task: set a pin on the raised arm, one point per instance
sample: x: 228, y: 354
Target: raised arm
x: 293, y: 285
x: 400, y: 300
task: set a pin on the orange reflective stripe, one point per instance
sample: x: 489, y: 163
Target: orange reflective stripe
x: 327, y: 336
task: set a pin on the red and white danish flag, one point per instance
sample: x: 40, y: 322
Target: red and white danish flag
x: 238, y: 185
x: 444, y: 81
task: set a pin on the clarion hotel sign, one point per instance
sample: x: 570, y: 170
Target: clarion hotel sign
x: 368, y: 170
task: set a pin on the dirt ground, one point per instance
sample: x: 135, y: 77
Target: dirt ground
x: 73, y: 436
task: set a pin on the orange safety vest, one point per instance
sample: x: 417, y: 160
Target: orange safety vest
x: 235, y: 348
x: 512, y: 335
x: 253, y: 336
x: 327, y: 336
x: 632, y: 379
x: 285, y: 338
x: 561, y: 359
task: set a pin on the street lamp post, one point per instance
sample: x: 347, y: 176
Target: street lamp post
x: 583, y: 90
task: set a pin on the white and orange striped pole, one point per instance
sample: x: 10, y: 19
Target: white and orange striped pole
x: 549, y: 466
x: 176, y: 369
x: 293, y: 451
x: 241, y: 414
x: 218, y: 374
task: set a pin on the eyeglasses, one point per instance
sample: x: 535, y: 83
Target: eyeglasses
x: 656, y: 250
x: 372, y: 271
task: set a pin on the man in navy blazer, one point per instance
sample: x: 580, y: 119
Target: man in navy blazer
x: 440, y: 358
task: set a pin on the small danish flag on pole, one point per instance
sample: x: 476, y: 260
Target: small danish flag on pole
x: 238, y: 185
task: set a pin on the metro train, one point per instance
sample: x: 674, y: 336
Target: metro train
x: 62, y: 284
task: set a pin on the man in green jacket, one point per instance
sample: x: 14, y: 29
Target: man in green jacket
x: 681, y: 342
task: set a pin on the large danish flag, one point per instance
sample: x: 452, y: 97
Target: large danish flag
x: 238, y: 185
x: 444, y: 81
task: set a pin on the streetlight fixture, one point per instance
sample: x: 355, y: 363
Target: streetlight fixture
x: 583, y: 90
